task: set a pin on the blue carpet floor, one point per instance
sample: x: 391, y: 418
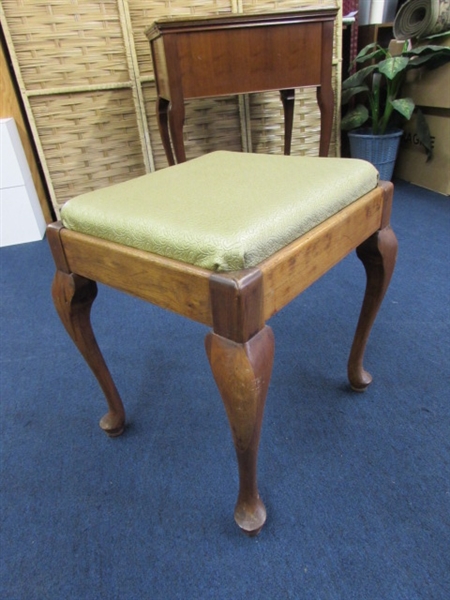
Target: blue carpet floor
x: 357, y: 487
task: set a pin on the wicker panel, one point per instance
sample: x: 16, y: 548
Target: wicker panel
x: 267, y: 123
x: 252, y: 6
x: 335, y: 144
x: 67, y: 43
x: 211, y: 124
x: 90, y: 141
x: 143, y: 13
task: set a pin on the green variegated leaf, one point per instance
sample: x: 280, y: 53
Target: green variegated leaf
x: 431, y: 60
x: 405, y: 106
x: 355, y: 118
x: 358, y: 78
x: 393, y: 66
x: 435, y: 36
x: 347, y: 94
x: 430, y: 49
x: 376, y: 55
x: 366, y: 50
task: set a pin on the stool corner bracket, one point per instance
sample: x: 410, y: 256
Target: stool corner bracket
x: 53, y: 232
x: 237, y: 303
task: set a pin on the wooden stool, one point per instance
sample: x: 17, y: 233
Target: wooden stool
x: 228, y: 240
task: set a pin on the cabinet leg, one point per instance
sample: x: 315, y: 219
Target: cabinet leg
x: 162, y: 108
x: 378, y: 255
x: 176, y: 123
x: 242, y: 373
x: 288, y: 98
x: 73, y: 297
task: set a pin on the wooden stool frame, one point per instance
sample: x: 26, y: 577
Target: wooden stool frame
x: 236, y: 305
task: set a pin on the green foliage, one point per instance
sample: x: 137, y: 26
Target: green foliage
x: 405, y: 106
x: 393, y: 66
x: 378, y: 86
x: 356, y: 117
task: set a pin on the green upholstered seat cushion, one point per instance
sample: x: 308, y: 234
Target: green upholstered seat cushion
x: 222, y: 211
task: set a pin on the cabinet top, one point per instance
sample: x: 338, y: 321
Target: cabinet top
x: 231, y: 21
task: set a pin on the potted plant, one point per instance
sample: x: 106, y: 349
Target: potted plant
x: 379, y: 106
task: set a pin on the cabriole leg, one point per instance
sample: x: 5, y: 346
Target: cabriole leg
x: 162, y: 108
x: 176, y: 122
x: 288, y: 98
x: 242, y: 373
x: 378, y: 255
x: 73, y: 297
